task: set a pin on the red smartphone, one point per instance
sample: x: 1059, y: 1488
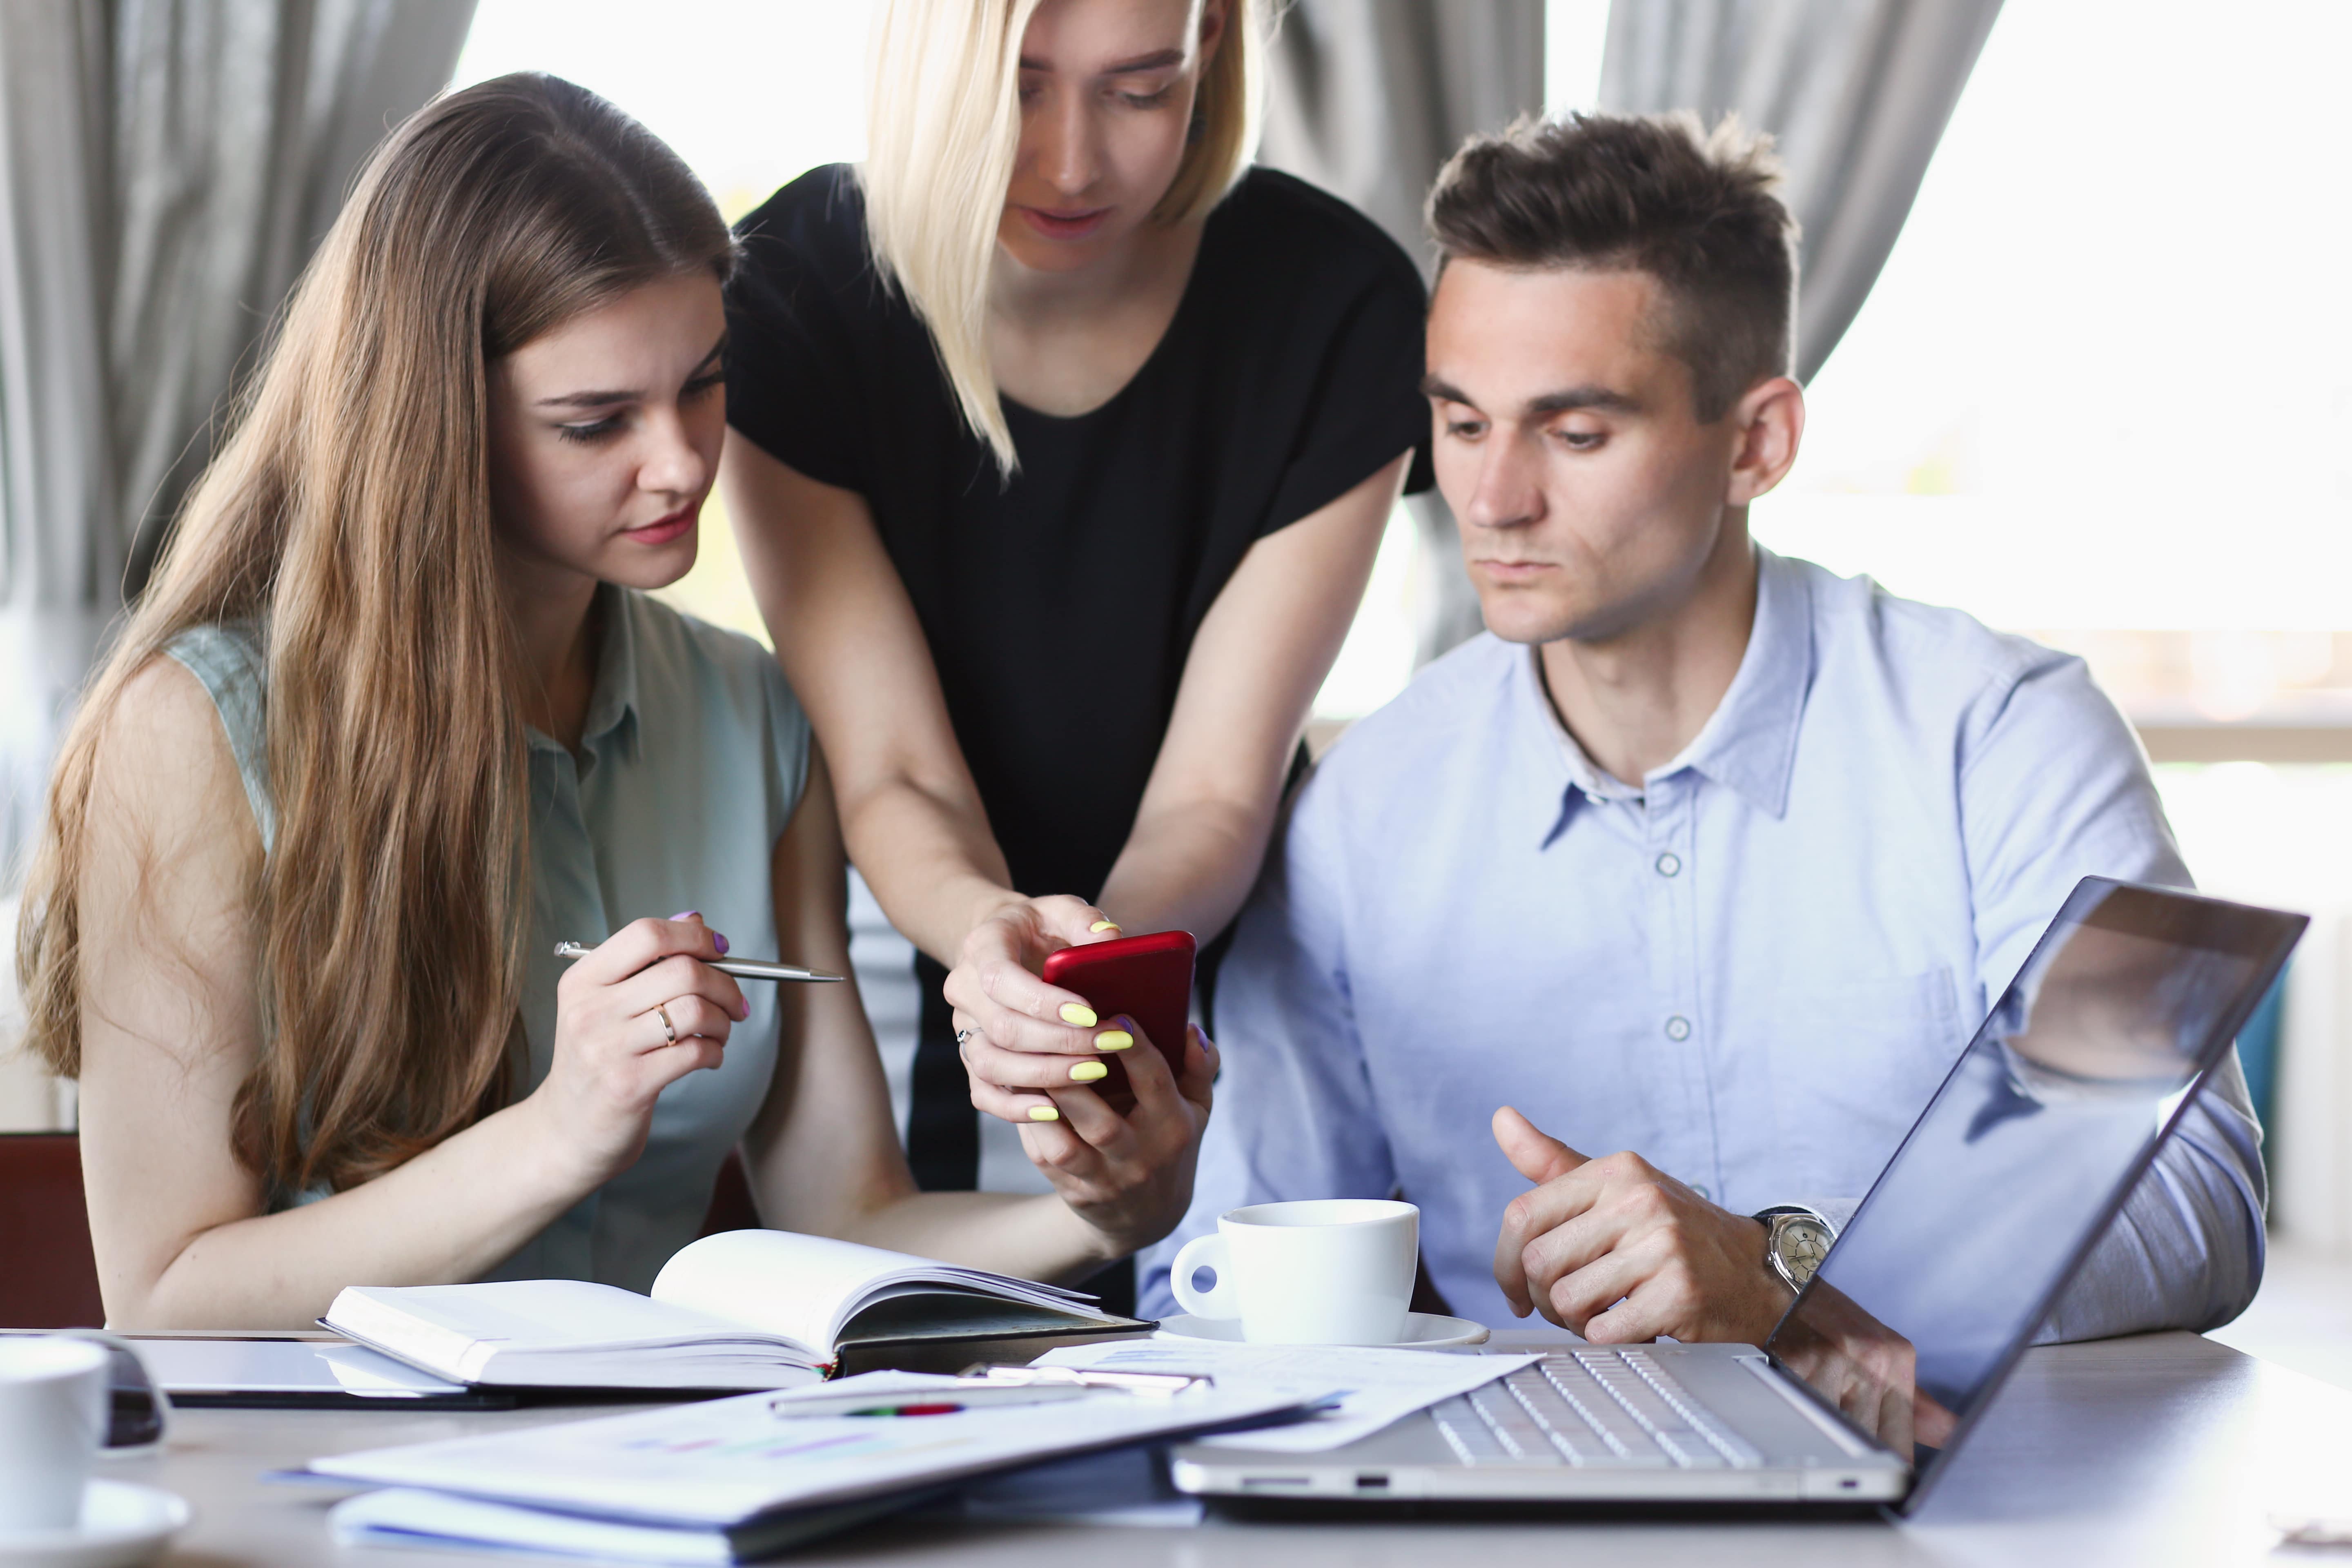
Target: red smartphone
x: 1148, y: 978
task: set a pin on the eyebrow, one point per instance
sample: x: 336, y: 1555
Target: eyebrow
x: 1561, y: 402
x: 600, y: 399
x: 1161, y: 61
x: 1599, y: 397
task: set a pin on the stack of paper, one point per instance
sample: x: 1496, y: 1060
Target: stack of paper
x: 735, y: 1478
x: 405, y: 1516
x: 740, y: 1478
x: 1354, y: 1392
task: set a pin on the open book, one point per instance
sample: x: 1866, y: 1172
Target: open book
x: 745, y: 1309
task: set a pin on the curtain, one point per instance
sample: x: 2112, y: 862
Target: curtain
x: 165, y: 168
x: 1367, y: 98
x: 1856, y: 92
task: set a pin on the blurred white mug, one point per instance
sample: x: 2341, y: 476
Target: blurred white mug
x: 1325, y: 1271
x: 53, y: 1402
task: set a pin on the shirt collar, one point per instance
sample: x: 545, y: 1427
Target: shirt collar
x: 1749, y: 743
x: 613, y: 700
x: 1588, y: 776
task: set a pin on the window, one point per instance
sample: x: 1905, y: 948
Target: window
x: 2104, y: 389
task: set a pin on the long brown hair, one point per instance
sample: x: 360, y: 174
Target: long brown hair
x: 350, y: 517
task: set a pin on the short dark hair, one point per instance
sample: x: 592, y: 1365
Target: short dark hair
x: 1697, y: 210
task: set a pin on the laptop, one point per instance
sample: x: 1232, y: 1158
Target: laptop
x: 1878, y: 1372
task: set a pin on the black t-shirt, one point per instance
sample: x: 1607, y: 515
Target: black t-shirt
x: 1060, y: 607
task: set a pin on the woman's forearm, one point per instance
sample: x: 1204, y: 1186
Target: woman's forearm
x: 1188, y: 865
x: 450, y: 1214
x: 1249, y: 682
x: 933, y: 864
x: 1032, y: 1238
x: 855, y: 651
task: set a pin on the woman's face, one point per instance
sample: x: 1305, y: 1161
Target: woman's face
x: 1106, y: 93
x: 605, y: 434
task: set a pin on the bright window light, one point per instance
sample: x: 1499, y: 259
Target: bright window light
x: 2103, y: 388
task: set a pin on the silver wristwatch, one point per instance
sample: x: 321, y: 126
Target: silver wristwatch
x: 1796, y: 1241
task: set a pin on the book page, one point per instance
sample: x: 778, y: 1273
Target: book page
x: 810, y: 1286
x: 786, y: 1283
x: 453, y: 1329
x: 545, y: 1314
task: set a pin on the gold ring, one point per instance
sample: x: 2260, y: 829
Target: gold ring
x: 669, y: 1030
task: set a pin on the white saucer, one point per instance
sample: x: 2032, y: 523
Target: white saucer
x: 1422, y: 1332
x: 121, y: 1526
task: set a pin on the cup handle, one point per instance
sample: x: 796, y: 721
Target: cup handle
x: 1205, y: 1252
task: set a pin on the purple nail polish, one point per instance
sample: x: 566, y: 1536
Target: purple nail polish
x: 686, y: 915
x: 720, y: 942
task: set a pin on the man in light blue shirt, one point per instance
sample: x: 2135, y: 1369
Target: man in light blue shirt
x: 1700, y: 854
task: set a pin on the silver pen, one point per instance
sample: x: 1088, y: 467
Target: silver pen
x: 1162, y: 1384
x: 741, y: 968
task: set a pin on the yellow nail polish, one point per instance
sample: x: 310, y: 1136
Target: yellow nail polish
x: 1086, y: 1072
x: 1073, y: 1013
x: 1043, y: 1113
x: 1103, y: 925
x: 1113, y: 1040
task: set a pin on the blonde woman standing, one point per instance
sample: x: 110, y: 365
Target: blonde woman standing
x: 1061, y: 443
x: 395, y: 717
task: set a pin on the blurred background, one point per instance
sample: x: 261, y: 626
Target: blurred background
x: 2099, y: 392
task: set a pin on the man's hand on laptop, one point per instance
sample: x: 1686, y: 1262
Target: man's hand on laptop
x: 1620, y: 1252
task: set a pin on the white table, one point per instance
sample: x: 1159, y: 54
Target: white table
x: 2162, y: 1450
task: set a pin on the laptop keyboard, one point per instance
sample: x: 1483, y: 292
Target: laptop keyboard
x: 1596, y: 1406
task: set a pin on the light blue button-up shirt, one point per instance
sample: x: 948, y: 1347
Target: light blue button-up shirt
x: 1753, y: 969
x: 691, y: 760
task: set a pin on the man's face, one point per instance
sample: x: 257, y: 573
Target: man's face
x: 1570, y: 448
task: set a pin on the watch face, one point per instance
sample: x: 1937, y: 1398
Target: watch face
x: 1802, y: 1242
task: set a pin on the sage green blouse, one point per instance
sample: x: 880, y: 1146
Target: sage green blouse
x: 694, y: 755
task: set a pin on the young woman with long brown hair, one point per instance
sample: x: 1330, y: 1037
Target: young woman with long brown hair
x: 395, y: 717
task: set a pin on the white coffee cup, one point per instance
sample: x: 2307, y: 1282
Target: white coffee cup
x: 53, y: 1401
x: 1327, y: 1271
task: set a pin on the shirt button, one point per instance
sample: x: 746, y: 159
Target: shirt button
x: 1678, y: 1027
x: 1669, y: 864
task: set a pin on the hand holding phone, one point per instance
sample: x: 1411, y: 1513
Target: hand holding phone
x: 1111, y: 1096
x: 1148, y: 978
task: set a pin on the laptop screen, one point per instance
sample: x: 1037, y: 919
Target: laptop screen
x: 2013, y: 1170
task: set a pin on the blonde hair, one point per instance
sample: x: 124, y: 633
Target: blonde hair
x: 349, y: 515
x: 943, y: 129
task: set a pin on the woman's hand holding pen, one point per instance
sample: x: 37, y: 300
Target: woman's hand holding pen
x: 633, y: 1017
